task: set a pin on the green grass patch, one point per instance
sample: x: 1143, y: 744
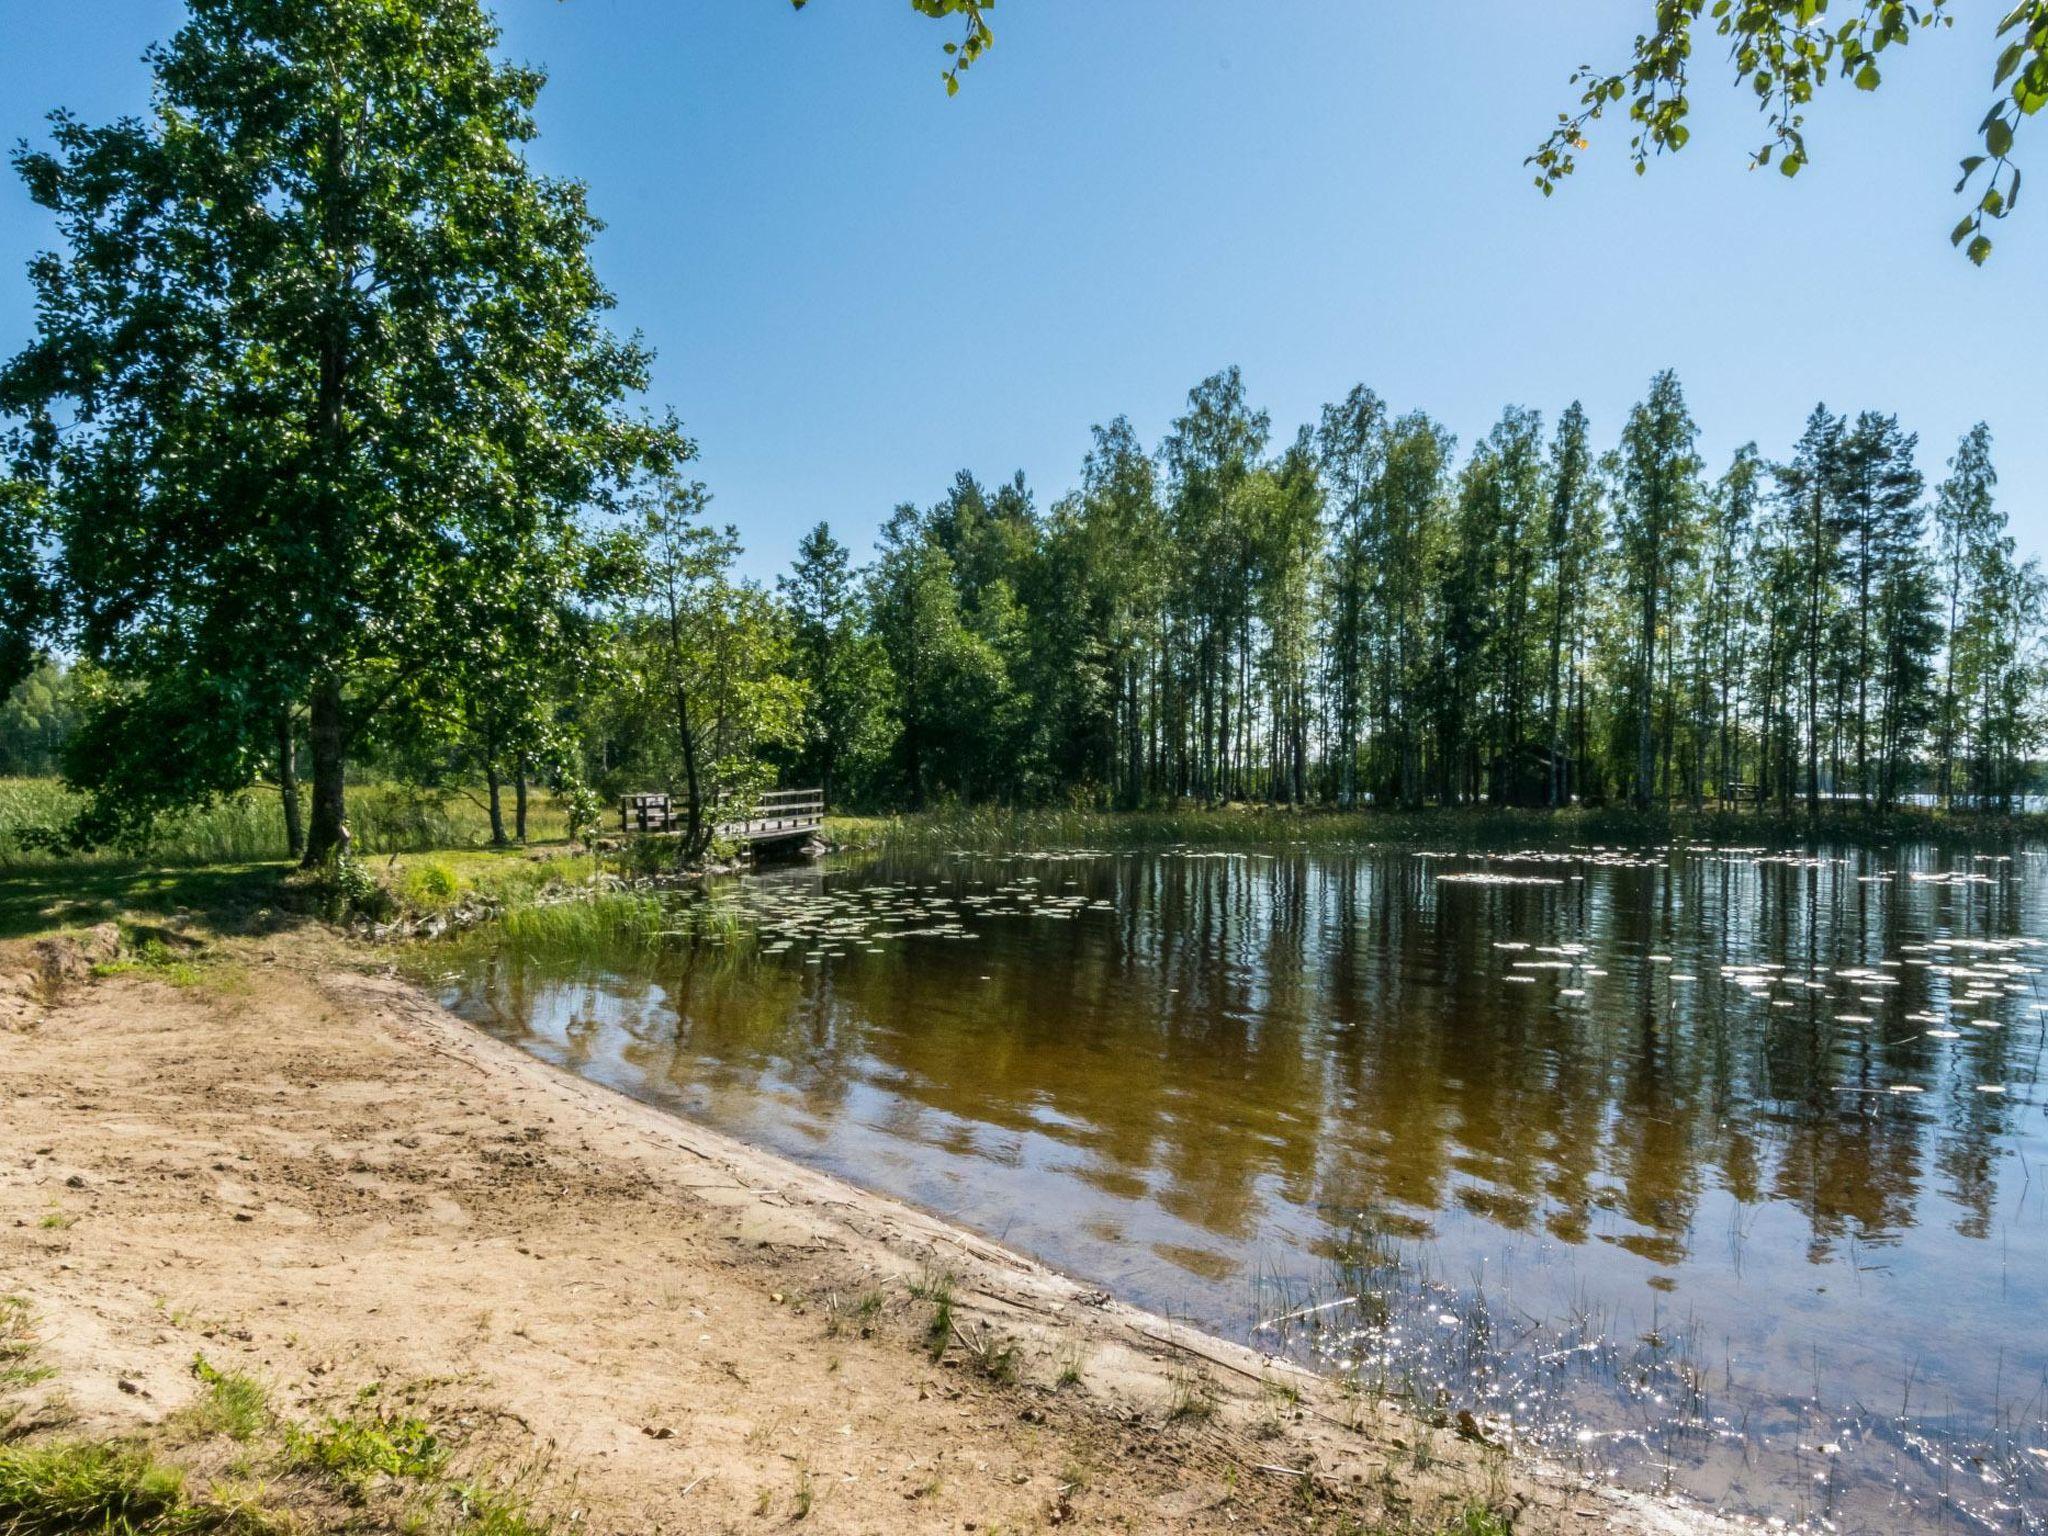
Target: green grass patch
x: 485, y: 1509
x: 1479, y: 1520
x: 434, y: 882
x: 429, y: 886
x: 50, y: 898
x: 19, y: 1369
x: 71, y: 1487
x: 600, y: 925
x: 229, y: 1403
x: 357, y: 1449
x: 249, y: 827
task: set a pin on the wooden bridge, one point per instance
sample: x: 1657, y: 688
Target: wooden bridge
x: 784, y: 815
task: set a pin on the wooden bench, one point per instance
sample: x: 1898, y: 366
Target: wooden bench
x: 646, y: 813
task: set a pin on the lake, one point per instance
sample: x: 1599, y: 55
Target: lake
x: 1711, y: 1170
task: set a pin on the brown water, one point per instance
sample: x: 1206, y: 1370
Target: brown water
x: 1714, y: 1171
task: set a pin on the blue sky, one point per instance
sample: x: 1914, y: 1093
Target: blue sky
x: 857, y: 286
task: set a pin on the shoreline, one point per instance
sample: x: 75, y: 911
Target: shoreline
x: 590, y: 1214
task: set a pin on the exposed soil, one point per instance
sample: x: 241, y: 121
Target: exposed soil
x: 318, y: 1177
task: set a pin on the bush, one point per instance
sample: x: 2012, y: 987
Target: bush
x: 430, y: 886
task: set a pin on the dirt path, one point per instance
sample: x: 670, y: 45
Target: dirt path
x: 319, y: 1178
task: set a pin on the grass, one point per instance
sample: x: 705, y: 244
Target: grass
x: 993, y: 829
x: 988, y: 1352
x: 70, y: 1487
x: 430, y: 886
x: 249, y: 827
x: 1192, y: 1399
x: 1480, y: 1520
x: 394, y: 1465
x: 1071, y: 1360
x: 938, y: 1290
x: 19, y: 1369
x: 231, y: 1404
x: 50, y: 897
x: 599, y: 925
x: 358, y: 1449
x: 859, y: 1313
x: 479, y: 1508
x: 169, y: 957
x: 800, y: 1504
x: 54, y: 897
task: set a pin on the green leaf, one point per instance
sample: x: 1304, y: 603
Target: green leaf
x: 1998, y: 137
x: 1979, y: 249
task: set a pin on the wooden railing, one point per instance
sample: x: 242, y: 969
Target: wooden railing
x: 782, y: 813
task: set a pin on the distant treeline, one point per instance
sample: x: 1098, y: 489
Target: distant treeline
x: 1361, y: 618
x: 1365, y: 617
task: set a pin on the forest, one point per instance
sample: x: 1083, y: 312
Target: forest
x: 1362, y: 617
x: 324, y: 462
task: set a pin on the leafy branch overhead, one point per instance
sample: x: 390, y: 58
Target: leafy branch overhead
x: 1784, y: 51
x: 975, y: 36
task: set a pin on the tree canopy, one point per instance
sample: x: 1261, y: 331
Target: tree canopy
x: 974, y: 39
x: 320, y: 398
x: 1786, y: 51
x: 1783, y: 51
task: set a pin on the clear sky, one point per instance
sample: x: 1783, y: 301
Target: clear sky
x: 857, y: 286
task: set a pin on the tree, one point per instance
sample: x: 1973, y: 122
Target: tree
x: 975, y: 35
x: 1659, y: 504
x: 36, y: 719
x: 1785, y: 51
x: 948, y: 682
x: 1570, y: 543
x: 321, y: 352
x: 1414, y: 527
x: 1124, y: 552
x: 1878, y: 493
x: 1811, y: 537
x: 839, y: 661
x: 1351, y: 448
x: 708, y: 676
x: 1723, y: 633
x: 1210, y: 454
x: 1966, y: 521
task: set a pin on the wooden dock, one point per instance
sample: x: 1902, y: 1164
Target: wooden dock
x: 783, y: 815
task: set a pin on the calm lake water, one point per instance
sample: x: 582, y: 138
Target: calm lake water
x: 1720, y: 1171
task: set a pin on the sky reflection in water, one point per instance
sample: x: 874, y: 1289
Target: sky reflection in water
x: 1710, y: 1169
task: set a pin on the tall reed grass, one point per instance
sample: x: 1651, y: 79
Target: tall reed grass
x: 383, y: 819
x: 991, y: 829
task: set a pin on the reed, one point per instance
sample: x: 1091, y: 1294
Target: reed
x: 993, y: 829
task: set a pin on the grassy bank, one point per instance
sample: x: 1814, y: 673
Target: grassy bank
x: 430, y: 849
x: 994, y: 830
x: 247, y: 828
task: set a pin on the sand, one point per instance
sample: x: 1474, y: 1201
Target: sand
x: 303, y: 1168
